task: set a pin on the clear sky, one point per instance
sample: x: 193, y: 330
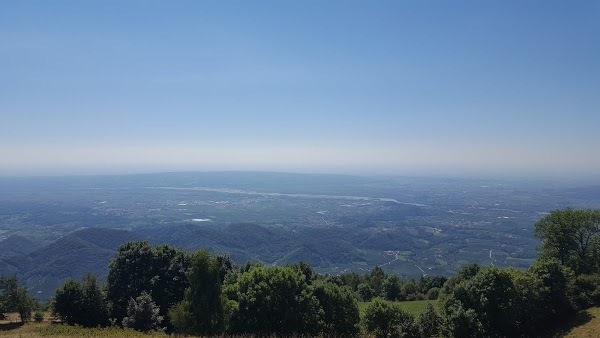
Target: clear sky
x: 406, y: 87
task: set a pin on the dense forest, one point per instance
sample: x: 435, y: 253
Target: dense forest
x: 167, y: 289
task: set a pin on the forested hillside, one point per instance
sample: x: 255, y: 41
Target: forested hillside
x: 162, y: 288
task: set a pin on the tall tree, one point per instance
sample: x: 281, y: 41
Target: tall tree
x: 273, y: 300
x: 137, y: 268
x: 340, y: 310
x: 571, y: 236
x: 14, y: 298
x: 81, y: 303
x: 202, y: 310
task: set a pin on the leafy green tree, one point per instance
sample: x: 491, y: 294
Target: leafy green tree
x: 571, y: 237
x: 137, y: 268
x: 169, y: 279
x: 81, y: 303
x: 530, y: 306
x: 384, y: 319
x: 461, y: 322
x: 203, y: 308
x: 130, y: 273
x: 409, y: 290
x: 340, y: 310
x: 555, y: 279
x: 433, y: 293
x: 306, y: 270
x: 366, y: 292
x: 391, y: 288
x: 143, y: 314
x: 430, y: 322
x: 491, y: 295
x: 68, y: 302
x: 273, y: 300
x: 376, y: 279
x: 14, y: 298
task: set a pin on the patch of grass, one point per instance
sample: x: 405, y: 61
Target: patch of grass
x: 46, y: 329
x: 584, y: 324
x: 413, y: 307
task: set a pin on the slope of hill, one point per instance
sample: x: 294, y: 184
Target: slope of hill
x: 72, y: 256
x: 16, y: 245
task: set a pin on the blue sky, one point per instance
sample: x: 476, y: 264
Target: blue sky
x: 406, y: 87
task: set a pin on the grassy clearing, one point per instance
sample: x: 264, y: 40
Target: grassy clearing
x: 584, y: 324
x: 413, y: 307
x: 47, y: 329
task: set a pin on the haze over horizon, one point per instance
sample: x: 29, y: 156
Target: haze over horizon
x: 381, y: 87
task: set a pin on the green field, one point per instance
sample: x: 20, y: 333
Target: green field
x: 413, y: 307
x: 584, y: 324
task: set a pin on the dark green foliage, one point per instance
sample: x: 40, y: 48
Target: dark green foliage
x: 340, y: 310
x: 131, y: 272
x: 491, y: 295
x: 225, y: 266
x: 366, y: 292
x: 305, y: 269
x: 585, y: 291
x: 14, y: 298
x: 433, y: 293
x: 430, y: 322
x: 81, y: 303
x: 555, y: 279
x: 68, y: 302
x: 273, y: 300
x: 572, y: 237
x: 383, y: 319
x: 530, y: 303
x: 461, y: 322
x: 429, y: 282
x: 376, y: 280
x: 143, y: 314
x: 138, y: 268
x: 391, y: 288
x: 202, y: 310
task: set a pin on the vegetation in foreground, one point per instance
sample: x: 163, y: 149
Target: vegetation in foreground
x: 163, y: 289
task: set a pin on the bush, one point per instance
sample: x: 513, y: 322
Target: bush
x: 430, y: 322
x: 340, y: 310
x: 143, y: 314
x: 38, y: 317
x: 433, y: 293
x: 383, y: 319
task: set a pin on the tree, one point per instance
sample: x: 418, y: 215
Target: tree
x: 137, y: 268
x: 143, y: 314
x: 391, y: 288
x: 340, y: 310
x: 202, y: 310
x: 571, y: 237
x: 366, y: 292
x: 555, y: 279
x: 273, y: 300
x: 383, y: 318
x: 130, y: 273
x: 14, y: 298
x: 530, y: 302
x: 81, y: 303
x: 68, y: 302
x: 430, y: 323
x: 376, y: 280
x: 490, y: 295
